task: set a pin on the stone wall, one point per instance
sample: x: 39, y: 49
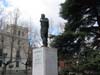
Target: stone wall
x: 17, y: 72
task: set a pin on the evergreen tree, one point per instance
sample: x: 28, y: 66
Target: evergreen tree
x: 80, y: 40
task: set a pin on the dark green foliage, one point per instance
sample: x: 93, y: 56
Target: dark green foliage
x: 67, y: 43
x: 79, y: 42
x: 79, y: 12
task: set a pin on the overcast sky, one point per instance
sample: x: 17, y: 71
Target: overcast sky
x: 32, y: 9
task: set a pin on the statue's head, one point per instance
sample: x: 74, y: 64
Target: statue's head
x: 42, y: 15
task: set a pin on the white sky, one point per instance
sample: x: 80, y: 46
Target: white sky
x: 34, y: 8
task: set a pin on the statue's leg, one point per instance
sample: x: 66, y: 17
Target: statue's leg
x: 43, y: 39
x: 45, y: 43
x: 44, y: 36
x: 46, y: 39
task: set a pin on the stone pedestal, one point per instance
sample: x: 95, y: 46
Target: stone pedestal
x: 45, y: 61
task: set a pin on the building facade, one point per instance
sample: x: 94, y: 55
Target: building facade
x: 14, y: 49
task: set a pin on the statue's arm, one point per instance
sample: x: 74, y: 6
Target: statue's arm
x: 41, y: 20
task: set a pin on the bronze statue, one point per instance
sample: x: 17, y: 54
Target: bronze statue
x: 44, y: 29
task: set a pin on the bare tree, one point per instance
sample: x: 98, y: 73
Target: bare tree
x: 2, y: 24
x: 16, y: 16
x: 13, y: 33
x: 33, y: 42
x: 1, y: 18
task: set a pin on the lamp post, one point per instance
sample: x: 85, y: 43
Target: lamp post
x: 77, y: 62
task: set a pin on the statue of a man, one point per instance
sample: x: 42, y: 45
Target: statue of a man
x: 44, y: 29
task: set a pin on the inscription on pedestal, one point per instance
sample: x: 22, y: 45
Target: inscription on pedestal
x: 45, y: 61
x: 38, y: 58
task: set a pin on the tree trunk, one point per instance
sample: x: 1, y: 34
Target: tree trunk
x: 4, y: 70
x: 26, y: 69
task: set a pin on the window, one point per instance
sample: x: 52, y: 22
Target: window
x: 22, y: 33
x: 17, y: 58
x: 18, y: 42
x: 0, y: 52
x: 18, y: 33
x: 17, y: 63
x: 0, y: 63
x: 0, y: 57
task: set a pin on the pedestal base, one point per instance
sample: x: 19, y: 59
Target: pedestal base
x: 45, y: 61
